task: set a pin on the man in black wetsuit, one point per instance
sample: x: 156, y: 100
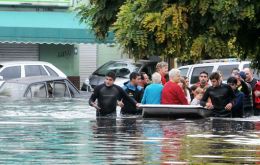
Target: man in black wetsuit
x: 108, y: 94
x: 221, y: 95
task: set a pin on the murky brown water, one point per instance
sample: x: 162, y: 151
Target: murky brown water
x: 67, y: 132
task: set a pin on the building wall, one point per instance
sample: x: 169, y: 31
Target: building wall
x: 107, y: 52
x: 62, y: 56
x: 87, y: 60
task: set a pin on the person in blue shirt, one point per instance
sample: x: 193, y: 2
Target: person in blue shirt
x: 135, y: 92
x: 238, y: 108
x: 152, y: 93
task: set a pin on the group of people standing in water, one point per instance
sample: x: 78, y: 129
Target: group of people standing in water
x: 239, y: 97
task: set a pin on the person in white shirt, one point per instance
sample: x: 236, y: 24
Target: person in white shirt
x: 198, y: 95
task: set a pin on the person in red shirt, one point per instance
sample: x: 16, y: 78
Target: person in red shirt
x: 172, y: 92
x: 162, y: 68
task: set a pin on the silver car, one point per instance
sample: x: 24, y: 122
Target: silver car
x: 39, y: 87
x: 122, y: 68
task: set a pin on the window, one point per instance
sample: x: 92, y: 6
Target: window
x: 34, y: 70
x: 119, y: 68
x: 256, y: 75
x: 118, y: 65
x: 60, y: 90
x: 149, y: 69
x: 115, y: 66
x: 73, y: 91
x: 246, y: 66
x: 184, y: 71
x: 226, y: 70
x: 51, y: 71
x: 11, y: 72
x: 196, y: 72
x: 37, y: 90
x: 12, y: 89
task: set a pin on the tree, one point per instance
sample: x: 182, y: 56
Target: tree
x: 186, y: 29
x: 100, y: 14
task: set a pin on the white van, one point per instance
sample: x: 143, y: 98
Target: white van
x: 193, y: 71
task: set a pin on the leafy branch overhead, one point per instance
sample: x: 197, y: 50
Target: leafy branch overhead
x: 190, y: 30
x: 100, y: 14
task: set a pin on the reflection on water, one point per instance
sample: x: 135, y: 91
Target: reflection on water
x: 67, y: 132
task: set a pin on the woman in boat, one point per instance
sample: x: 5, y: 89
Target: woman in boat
x: 192, y: 91
x: 162, y: 68
x: 172, y: 92
x: 152, y: 93
x: 185, y: 89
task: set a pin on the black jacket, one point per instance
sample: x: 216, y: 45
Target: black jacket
x: 248, y: 99
x: 107, y: 98
x: 220, y: 96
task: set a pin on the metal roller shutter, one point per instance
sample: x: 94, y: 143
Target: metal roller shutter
x: 18, y: 52
x: 87, y: 60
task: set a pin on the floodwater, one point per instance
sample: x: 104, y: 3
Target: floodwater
x: 67, y: 132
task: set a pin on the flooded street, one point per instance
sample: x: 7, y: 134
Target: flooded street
x: 67, y: 132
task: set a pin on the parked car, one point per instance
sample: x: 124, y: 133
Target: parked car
x: 39, y: 87
x: 122, y: 68
x: 18, y: 69
x: 193, y: 71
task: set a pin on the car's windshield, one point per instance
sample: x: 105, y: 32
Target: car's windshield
x: 121, y: 68
x: 12, y: 89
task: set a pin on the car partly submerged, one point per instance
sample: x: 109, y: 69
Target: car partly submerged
x: 39, y: 87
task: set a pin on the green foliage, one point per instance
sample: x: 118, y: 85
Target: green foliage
x: 189, y: 30
x: 100, y: 14
x: 144, y: 31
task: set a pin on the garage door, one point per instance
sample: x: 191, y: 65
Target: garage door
x: 18, y: 52
x: 87, y: 60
